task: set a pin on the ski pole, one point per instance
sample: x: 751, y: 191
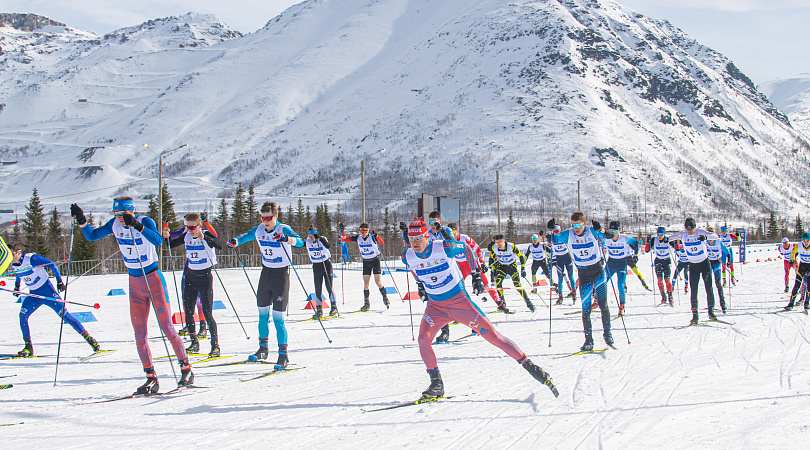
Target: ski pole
x: 91, y: 269
x: 536, y: 293
x: 617, y: 304
x: 174, y: 277
x: 550, y: 303
x: 391, y: 274
x: 64, y: 307
x: 53, y: 299
x: 305, y: 289
x: 652, y: 272
x: 35, y: 267
x: 238, y: 258
x: 410, y: 307
x: 208, y: 254
x: 152, y: 301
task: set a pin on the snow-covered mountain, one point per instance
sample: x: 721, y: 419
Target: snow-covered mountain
x: 453, y: 90
x: 792, y: 96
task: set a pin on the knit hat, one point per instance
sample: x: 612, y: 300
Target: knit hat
x: 417, y: 228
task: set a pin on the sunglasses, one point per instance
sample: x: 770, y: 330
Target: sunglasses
x: 690, y: 228
x: 119, y: 213
x: 416, y: 238
x: 267, y: 219
x: 191, y: 227
x: 577, y: 225
x: 364, y: 230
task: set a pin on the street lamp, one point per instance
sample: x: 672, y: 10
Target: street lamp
x: 579, y: 208
x: 160, y: 184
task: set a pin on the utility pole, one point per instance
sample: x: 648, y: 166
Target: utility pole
x: 363, y: 188
x: 498, y: 192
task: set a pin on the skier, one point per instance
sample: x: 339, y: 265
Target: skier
x: 503, y: 261
x: 449, y: 301
x: 584, y: 244
x: 728, y: 258
x: 465, y: 268
x: 275, y: 239
x: 787, y: 251
x: 369, y: 245
x: 563, y: 262
x: 5, y: 256
x: 203, y: 332
x: 437, y: 231
x: 801, y: 255
x: 632, y: 262
x: 662, y: 263
x: 619, y: 249
x: 30, y: 269
x: 683, y: 264
x: 694, y: 241
x: 137, y: 238
x: 319, y: 254
x: 716, y: 251
x: 537, y: 252
x: 197, y: 279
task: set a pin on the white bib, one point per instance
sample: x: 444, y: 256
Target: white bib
x: 133, y: 245
x: 197, y: 251
x: 317, y: 252
x: 33, y: 277
x: 273, y: 254
x: 585, y: 248
x: 439, y: 273
x: 538, y: 253
x: 368, y: 246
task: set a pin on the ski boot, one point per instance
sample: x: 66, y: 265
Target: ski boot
x: 385, y: 298
x: 669, y: 297
x: 608, y: 336
x: 366, y: 306
x: 530, y: 305
x: 733, y: 281
x: 534, y: 290
x: 695, y: 320
x: 559, y: 301
x: 183, y: 331
x: 502, y: 307
x: 27, y: 351
x: 644, y: 283
x: 214, y: 353
x: 96, y: 347
x: 282, y: 361
x: 724, y: 281
x: 186, y: 377
x: 573, y: 298
x: 151, y: 386
x: 436, y: 388
x: 588, y: 345
x: 787, y: 308
x: 540, y: 375
x: 723, y: 306
x: 712, y: 317
x: 261, y: 353
x: 621, y: 310
x: 333, y: 311
x: 195, y: 344
x: 663, y: 299
x: 445, y: 334
x: 318, y: 312
x: 203, y: 331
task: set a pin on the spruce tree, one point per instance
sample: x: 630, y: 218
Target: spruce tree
x: 511, y: 228
x: 290, y: 216
x: 34, y: 227
x: 56, y: 242
x: 168, y: 211
x: 300, y: 217
x: 327, y: 222
x: 239, y: 212
x: 252, y: 206
x: 773, y: 227
x: 152, y: 211
x: 308, y: 220
x: 386, y: 231
x: 799, y: 227
x: 338, y: 218
x: 15, y: 232
x: 83, y: 250
x: 221, y: 222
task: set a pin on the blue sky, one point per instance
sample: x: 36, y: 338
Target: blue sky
x: 767, y: 39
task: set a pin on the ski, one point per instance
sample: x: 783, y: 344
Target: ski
x: 213, y: 358
x: 156, y: 394
x: 8, y: 376
x: 421, y: 401
x: 10, y: 424
x: 718, y: 321
x: 311, y: 319
x: 570, y: 313
x: 498, y: 311
x: 14, y: 356
x: 245, y: 362
x: 6, y: 386
x: 187, y: 354
x: 271, y: 373
x: 370, y: 310
x: 581, y: 352
x: 96, y: 355
x: 701, y: 324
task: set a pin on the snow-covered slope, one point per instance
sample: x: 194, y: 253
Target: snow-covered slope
x: 453, y: 90
x: 716, y: 386
x: 791, y: 95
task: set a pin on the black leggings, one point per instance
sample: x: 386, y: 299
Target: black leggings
x: 322, y: 271
x: 199, y: 282
x: 274, y: 288
x: 698, y: 271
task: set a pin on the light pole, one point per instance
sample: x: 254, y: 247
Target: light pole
x: 579, y: 208
x: 160, y: 188
x: 363, y: 187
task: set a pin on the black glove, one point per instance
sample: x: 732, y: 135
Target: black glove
x: 78, y: 214
x: 523, y: 273
x: 204, y: 216
x: 437, y: 226
x: 551, y: 224
x: 484, y: 268
x: 701, y: 238
x: 341, y: 227
x: 422, y: 292
x: 232, y: 242
x: 129, y: 220
x: 540, y: 233
x: 281, y: 237
x: 596, y: 225
x: 403, y: 227
x: 317, y: 237
x: 17, y: 288
x: 478, y: 285
x: 634, y: 258
x: 60, y: 286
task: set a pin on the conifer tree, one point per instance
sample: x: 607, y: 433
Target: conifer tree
x: 773, y: 227
x: 34, y: 227
x: 55, y: 240
x: 799, y: 227
x: 83, y: 250
x: 221, y: 221
x: 511, y: 229
x: 252, y: 206
x: 239, y: 212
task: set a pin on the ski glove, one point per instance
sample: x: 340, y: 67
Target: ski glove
x: 16, y: 288
x: 340, y: 227
x: 60, y: 286
x: 596, y: 225
x: 281, y: 237
x: 77, y: 214
x: 701, y: 238
x: 204, y: 216
x: 403, y: 227
x: 232, y: 242
x: 130, y: 221
x: 551, y: 224
x: 478, y: 285
x: 484, y: 268
x: 422, y: 292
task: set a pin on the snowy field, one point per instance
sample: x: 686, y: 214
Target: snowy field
x: 731, y: 386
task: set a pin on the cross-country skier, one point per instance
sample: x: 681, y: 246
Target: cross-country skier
x: 683, y: 265
x: 465, y: 268
x: 728, y: 258
x: 5, y: 256
x: 694, y: 241
x: 619, y: 248
x: 319, y: 254
x: 659, y: 244
x: 716, y: 251
x: 275, y: 239
x: 632, y: 263
x: 30, y: 269
x: 786, y: 248
x: 503, y: 261
x: 197, y: 279
x: 537, y: 252
x: 584, y: 243
x: 434, y: 264
x: 369, y: 244
x: 203, y: 331
x: 801, y: 254
x: 137, y: 238
x: 563, y: 262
